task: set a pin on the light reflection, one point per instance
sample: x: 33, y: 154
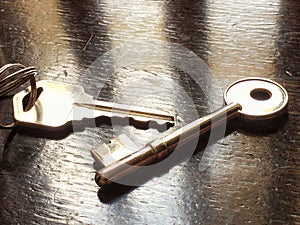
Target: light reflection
x: 131, y: 21
x: 52, y: 54
x: 49, y: 42
x: 243, y: 37
x: 142, y: 76
x: 242, y: 44
x: 139, y: 55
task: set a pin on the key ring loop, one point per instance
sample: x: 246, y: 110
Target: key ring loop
x: 13, y: 76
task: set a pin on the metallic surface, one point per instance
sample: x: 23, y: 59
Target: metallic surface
x: 59, y: 104
x: 243, y: 178
x: 271, y: 106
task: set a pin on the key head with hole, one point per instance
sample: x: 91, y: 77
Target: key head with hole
x: 53, y: 107
x: 260, y: 99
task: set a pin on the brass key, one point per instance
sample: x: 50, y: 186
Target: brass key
x: 252, y: 99
x: 59, y: 104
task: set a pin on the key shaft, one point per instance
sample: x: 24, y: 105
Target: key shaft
x: 160, y: 148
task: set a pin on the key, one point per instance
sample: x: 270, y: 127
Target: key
x: 59, y: 104
x: 251, y: 99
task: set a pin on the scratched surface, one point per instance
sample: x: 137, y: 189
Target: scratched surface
x: 122, y: 51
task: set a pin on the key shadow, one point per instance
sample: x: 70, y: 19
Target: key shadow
x: 110, y: 192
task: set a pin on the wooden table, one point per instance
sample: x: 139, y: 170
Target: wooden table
x: 132, y: 52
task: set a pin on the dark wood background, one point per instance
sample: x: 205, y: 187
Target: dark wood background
x: 242, y: 178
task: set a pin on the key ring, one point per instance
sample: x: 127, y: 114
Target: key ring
x: 9, y: 81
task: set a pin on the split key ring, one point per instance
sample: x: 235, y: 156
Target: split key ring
x: 13, y: 76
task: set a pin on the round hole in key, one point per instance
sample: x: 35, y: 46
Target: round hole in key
x: 261, y: 94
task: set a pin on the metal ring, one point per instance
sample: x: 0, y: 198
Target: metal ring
x: 9, y: 81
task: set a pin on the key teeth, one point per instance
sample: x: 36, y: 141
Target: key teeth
x: 87, y: 111
x: 142, y: 123
x: 118, y: 148
x: 159, y: 125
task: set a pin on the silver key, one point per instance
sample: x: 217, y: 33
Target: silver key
x: 59, y: 104
x: 252, y: 99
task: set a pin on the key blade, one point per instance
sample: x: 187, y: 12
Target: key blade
x: 120, y: 114
x: 116, y: 108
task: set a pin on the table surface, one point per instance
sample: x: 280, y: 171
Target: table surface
x: 148, y: 53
